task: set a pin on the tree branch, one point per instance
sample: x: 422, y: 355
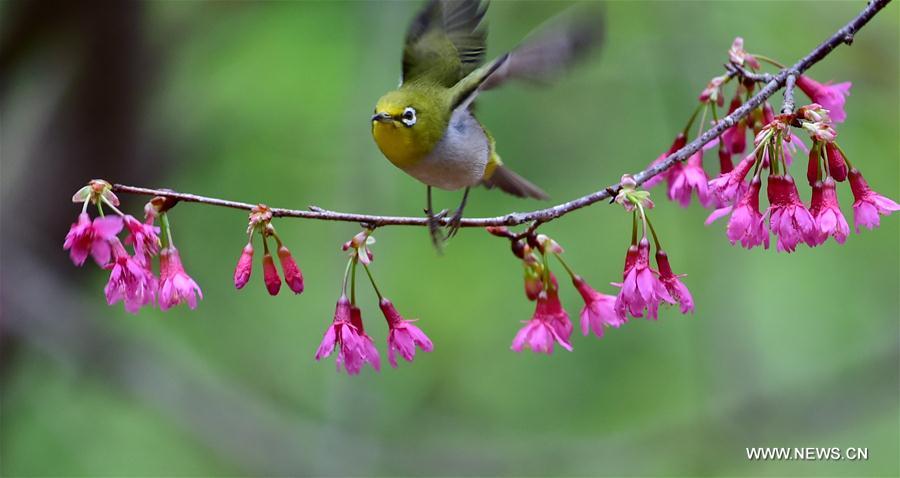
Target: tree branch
x: 541, y: 216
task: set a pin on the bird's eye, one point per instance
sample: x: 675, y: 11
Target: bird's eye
x: 409, y: 116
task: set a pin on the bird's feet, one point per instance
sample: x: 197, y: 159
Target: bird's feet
x: 434, y: 228
x: 455, y: 220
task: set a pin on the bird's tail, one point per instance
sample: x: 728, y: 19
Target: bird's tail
x: 511, y: 183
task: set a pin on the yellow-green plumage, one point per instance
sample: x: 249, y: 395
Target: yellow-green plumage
x: 426, y: 127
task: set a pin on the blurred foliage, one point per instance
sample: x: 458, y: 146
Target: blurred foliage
x: 270, y: 102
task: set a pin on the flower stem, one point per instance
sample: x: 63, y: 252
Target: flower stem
x: 653, y: 233
x: 372, y: 280
x: 768, y: 60
x: 843, y: 155
x: 647, y: 224
x: 565, y: 265
x: 690, y: 122
x: 166, y: 237
x: 634, y: 228
x: 353, y: 280
x: 111, y: 206
x: 346, y: 273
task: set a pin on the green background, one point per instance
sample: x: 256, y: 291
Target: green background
x: 269, y: 102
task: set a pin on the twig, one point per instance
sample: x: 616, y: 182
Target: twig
x: 747, y: 74
x: 541, y: 216
x: 788, y: 106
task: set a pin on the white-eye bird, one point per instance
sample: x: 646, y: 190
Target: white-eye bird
x: 427, y: 128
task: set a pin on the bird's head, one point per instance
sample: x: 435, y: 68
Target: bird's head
x: 407, y: 125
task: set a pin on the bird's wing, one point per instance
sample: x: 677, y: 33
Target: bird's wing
x: 540, y: 58
x: 445, y: 42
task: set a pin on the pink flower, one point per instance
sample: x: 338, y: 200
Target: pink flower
x: 826, y: 211
x: 679, y: 142
x: 144, y: 237
x: 244, y: 267
x: 686, y: 177
x: 292, y: 274
x: 369, y: 351
x: 831, y: 97
x: 868, y: 204
x: 549, y: 324
x: 673, y: 284
x: 175, y: 286
x: 837, y: 165
x: 270, y: 275
x: 728, y: 186
x: 92, y: 237
x: 129, y: 281
x: 345, y: 335
x: 641, y: 288
x: 788, y: 217
x: 747, y: 225
x: 599, y: 309
x: 403, y: 336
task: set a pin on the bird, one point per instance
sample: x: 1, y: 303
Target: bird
x: 427, y: 126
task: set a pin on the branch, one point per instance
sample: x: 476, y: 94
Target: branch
x: 540, y: 216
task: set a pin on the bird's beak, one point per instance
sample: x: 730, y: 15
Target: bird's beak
x: 382, y: 117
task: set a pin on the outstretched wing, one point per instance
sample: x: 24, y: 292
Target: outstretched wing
x: 445, y: 42
x: 540, y: 58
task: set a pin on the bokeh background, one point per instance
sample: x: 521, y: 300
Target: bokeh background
x: 269, y: 102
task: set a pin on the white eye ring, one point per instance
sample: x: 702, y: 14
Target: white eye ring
x: 409, y: 116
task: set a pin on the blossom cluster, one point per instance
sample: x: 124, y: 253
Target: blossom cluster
x: 261, y: 223
x: 735, y: 191
x: 132, y: 279
x: 641, y: 292
x: 347, y: 335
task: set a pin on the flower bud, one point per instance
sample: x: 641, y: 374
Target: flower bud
x: 292, y: 274
x: 244, y: 267
x: 837, y: 166
x: 270, y: 275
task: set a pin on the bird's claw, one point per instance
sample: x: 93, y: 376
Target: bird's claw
x: 454, y: 224
x: 434, y: 229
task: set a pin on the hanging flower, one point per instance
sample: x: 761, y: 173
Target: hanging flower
x: 175, y: 285
x: 87, y: 237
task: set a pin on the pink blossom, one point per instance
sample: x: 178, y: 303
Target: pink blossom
x: 403, y: 336
x: 747, y: 225
x: 292, y: 275
x: 369, y: 351
x: 826, y: 211
x: 129, y: 281
x: 549, y: 324
x: 270, y: 275
x: 143, y: 237
x: 599, y: 309
x: 686, y: 177
x: 728, y: 186
x: 868, y: 204
x: 673, y: 284
x: 175, y: 286
x: 677, y: 144
x: 641, y: 288
x: 92, y: 237
x: 831, y: 97
x: 789, y: 219
x: 244, y: 267
x: 346, y: 336
x: 837, y: 165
